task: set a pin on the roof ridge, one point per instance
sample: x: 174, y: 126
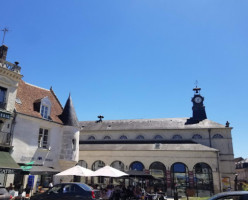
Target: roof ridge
x: 51, y: 89
x: 36, y: 86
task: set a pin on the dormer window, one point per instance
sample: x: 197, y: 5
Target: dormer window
x: 44, y: 111
x: 43, y: 106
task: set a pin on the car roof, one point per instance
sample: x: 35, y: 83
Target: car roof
x: 230, y: 193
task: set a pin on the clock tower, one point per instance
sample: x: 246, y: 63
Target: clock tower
x: 198, y: 108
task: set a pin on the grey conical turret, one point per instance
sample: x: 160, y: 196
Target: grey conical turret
x: 68, y: 116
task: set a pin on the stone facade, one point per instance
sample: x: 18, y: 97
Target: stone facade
x: 164, y: 141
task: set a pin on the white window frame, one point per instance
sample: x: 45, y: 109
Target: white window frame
x: 44, y: 111
x: 45, y: 108
x: 43, y: 138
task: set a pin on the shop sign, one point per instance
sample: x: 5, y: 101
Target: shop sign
x: 4, y: 115
x: 7, y: 171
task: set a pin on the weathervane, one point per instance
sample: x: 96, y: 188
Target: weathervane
x: 4, y: 32
x: 196, y: 89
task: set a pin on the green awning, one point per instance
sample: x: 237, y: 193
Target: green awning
x: 7, y: 164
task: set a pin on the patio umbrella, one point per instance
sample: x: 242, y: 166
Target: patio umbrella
x: 108, y: 172
x: 75, y: 171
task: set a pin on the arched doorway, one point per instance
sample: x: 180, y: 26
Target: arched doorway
x: 82, y: 163
x: 83, y: 179
x: 95, y: 166
x: 180, y: 179
x: 203, y: 179
x: 158, y: 170
x: 120, y: 166
x: 136, y: 165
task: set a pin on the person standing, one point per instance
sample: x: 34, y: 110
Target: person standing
x: 50, y: 185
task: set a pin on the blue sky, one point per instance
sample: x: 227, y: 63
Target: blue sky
x: 134, y: 59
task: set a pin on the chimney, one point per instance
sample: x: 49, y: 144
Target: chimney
x: 3, y: 52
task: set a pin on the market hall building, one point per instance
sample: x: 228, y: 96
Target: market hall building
x: 194, y: 152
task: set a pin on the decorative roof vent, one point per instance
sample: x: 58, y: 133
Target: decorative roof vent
x: 157, y: 146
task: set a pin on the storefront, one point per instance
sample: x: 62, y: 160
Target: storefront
x: 8, y: 167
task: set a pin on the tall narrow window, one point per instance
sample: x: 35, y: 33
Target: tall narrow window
x: 73, y: 144
x: 3, y: 97
x: 44, y: 111
x: 43, y: 138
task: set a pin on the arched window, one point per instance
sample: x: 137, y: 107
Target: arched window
x: 197, y: 137
x: 203, y: 180
x: 218, y: 136
x: 118, y: 165
x: 97, y: 165
x: 179, y: 173
x: 140, y: 137
x: 107, y: 137
x: 123, y: 137
x: 84, y: 179
x: 82, y: 163
x: 177, y: 137
x: 158, y: 137
x: 91, y: 138
x: 137, y: 166
x: 157, y: 169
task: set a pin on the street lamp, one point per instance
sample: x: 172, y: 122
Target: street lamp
x: 236, y: 182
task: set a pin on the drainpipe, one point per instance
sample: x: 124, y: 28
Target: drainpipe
x: 209, y: 135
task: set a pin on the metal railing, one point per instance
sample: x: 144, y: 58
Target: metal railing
x: 3, y: 105
x: 10, y: 66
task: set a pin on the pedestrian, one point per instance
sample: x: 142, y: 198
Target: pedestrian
x: 10, y: 187
x: 27, y: 190
x: 50, y: 185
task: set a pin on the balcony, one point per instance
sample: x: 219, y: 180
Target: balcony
x: 10, y: 66
x: 3, y: 105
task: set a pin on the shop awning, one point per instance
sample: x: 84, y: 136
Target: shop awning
x: 42, y: 170
x: 7, y: 164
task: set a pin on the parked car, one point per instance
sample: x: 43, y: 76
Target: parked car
x: 232, y: 195
x: 4, y: 194
x: 69, y: 191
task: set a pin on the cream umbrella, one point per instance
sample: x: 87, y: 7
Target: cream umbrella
x: 108, y: 172
x: 75, y: 171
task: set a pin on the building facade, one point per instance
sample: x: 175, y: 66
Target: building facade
x: 42, y: 136
x: 39, y: 138
x: 181, y: 153
x: 9, y: 79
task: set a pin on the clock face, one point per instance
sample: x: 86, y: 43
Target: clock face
x: 198, y: 99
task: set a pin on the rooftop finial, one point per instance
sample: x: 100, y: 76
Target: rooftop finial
x: 100, y: 118
x: 227, y: 123
x: 196, y: 89
x: 4, y: 32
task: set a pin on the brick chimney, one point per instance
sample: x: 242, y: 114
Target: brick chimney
x: 3, y: 52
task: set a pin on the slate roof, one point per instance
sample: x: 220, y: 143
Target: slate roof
x: 147, y: 124
x: 29, y: 94
x: 69, y: 116
x: 145, y: 147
